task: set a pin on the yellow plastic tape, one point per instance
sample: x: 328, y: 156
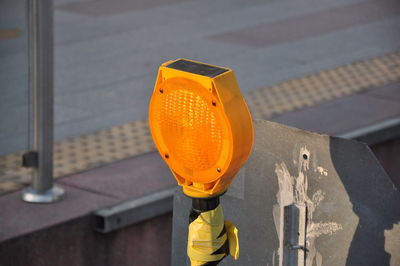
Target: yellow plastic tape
x: 208, y: 234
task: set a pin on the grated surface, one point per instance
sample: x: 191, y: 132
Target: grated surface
x: 130, y: 139
x: 188, y: 122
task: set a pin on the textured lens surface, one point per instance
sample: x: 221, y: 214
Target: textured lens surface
x: 190, y: 129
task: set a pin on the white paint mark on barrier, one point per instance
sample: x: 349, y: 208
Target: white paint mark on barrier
x: 294, y: 190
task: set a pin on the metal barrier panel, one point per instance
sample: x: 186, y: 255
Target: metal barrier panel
x: 342, y: 195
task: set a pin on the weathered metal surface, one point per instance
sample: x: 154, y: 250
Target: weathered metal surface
x: 294, y: 235
x: 134, y: 211
x: 352, y: 206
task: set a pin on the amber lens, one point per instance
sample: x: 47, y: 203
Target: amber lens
x: 190, y: 128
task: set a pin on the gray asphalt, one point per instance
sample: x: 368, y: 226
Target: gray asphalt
x: 107, y: 52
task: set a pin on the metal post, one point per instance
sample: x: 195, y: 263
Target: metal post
x: 40, y: 24
x: 294, y: 235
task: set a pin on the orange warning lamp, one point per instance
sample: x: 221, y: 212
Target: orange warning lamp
x: 201, y: 125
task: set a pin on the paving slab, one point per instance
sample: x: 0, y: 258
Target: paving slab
x: 390, y: 92
x: 127, y: 179
x: 346, y: 114
x: 306, y: 26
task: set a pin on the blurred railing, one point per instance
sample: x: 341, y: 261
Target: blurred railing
x: 41, y: 87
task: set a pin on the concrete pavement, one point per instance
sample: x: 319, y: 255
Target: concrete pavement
x: 107, y: 52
